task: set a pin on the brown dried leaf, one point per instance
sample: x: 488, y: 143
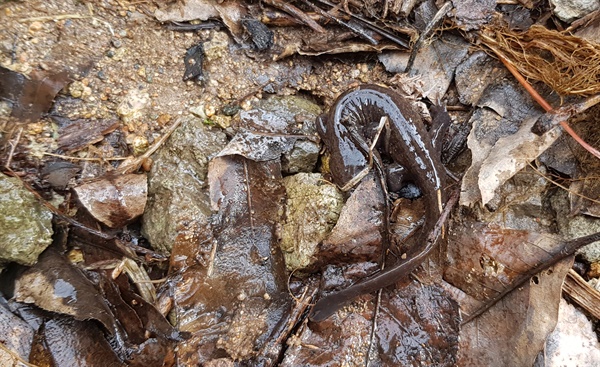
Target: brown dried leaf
x: 520, y: 323
x: 486, y: 260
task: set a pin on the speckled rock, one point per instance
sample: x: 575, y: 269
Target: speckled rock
x: 313, y: 207
x: 25, y: 224
x: 178, y: 204
x: 291, y: 115
x: 569, y: 11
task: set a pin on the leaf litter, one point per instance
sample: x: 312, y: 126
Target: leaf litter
x: 226, y: 288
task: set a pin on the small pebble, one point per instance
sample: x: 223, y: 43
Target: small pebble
x: 35, y: 27
x: 116, y: 43
x: 163, y: 119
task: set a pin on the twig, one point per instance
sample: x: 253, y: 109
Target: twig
x: 374, y: 327
x: 15, y: 355
x: 84, y: 158
x: 425, y: 34
x: 290, y: 9
x: 369, y: 24
x: 13, y: 146
x: 58, y: 213
x: 563, y: 186
x: 358, y: 30
x: 135, y: 163
x: 541, y: 101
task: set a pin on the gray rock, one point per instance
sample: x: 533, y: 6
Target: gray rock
x: 302, y: 158
x: 282, y: 120
x: 178, y: 204
x: 25, y: 224
x: 570, y: 10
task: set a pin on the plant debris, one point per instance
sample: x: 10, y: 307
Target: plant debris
x: 568, y: 64
x: 193, y: 222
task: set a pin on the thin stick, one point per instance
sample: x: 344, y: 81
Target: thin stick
x: 563, y: 186
x: 84, y: 158
x: 13, y: 146
x: 542, y: 102
x: 290, y: 9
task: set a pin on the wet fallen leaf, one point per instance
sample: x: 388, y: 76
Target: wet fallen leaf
x: 485, y: 261
x: 488, y: 258
x: 59, y: 173
x: 337, y: 342
x: 232, y: 303
x: 419, y: 325
x: 501, y: 141
x: 520, y: 323
x: 62, y: 341
x: 257, y: 146
x: 17, y: 336
x: 54, y: 284
x: 356, y: 235
x: 82, y: 133
x: 31, y: 97
x: 115, y: 200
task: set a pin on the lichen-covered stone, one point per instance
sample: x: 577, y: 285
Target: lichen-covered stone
x: 313, y: 208
x: 178, y: 204
x: 25, y: 224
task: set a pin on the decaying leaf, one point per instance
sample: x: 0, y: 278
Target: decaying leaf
x: 115, y: 200
x: 54, y: 284
x: 520, y: 323
x: 59, y: 173
x: 336, y: 342
x: 62, y: 341
x: 356, y: 235
x: 501, y: 141
x: 232, y: 303
x: 435, y: 65
x: 17, y: 336
x: 483, y: 262
x: 31, y: 97
x: 82, y: 133
x: 419, y: 325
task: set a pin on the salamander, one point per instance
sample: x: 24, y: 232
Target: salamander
x: 406, y: 142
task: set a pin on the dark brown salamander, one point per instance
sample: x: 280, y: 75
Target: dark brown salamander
x: 406, y: 142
